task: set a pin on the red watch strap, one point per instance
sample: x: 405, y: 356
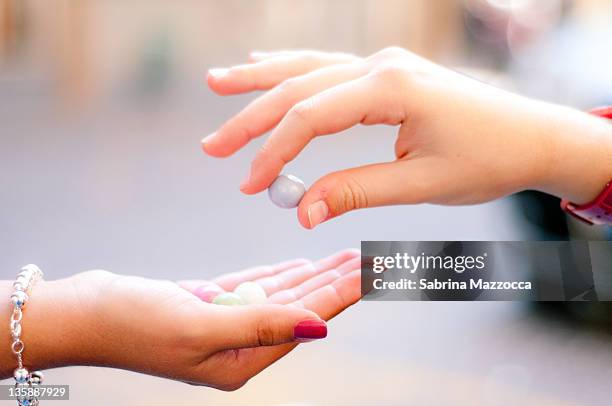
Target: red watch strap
x: 605, y: 112
x: 599, y: 211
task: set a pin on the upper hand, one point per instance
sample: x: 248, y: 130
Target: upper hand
x: 460, y: 141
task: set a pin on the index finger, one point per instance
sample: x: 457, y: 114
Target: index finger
x: 331, y: 111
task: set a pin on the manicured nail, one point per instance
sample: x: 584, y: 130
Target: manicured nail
x: 309, y: 330
x: 218, y: 73
x: 208, y: 138
x: 317, y: 213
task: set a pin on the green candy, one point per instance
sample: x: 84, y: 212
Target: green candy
x: 228, y: 299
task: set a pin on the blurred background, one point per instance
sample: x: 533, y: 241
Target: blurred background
x: 102, y: 107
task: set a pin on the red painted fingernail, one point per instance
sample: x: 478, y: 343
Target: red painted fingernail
x: 309, y: 330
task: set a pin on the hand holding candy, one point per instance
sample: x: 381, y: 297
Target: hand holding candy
x: 271, y: 284
x: 452, y: 130
x: 176, y: 333
x: 245, y: 293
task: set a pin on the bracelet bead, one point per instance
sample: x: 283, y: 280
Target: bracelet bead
x: 37, y: 377
x: 19, y: 286
x: 19, y: 298
x: 21, y: 375
x: 22, y: 280
x: 26, y: 273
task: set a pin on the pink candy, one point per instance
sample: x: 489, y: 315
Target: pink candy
x: 208, y: 291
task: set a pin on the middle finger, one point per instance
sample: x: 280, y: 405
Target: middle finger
x: 265, y: 112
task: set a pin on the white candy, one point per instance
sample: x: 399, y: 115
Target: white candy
x: 251, y: 293
x: 286, y: 191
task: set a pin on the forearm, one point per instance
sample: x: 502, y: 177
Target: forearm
x: 50, y: 327
x: 580, y: 163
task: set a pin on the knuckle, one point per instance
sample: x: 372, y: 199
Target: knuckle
x: 345, y: 56
x: 287, y: 86
x: 301, y: 112
x: 351, y: 195
x: 391, y: 73
x: 263, y: 153
x: 311, y: 58
x: 395, y: 81
x: 266, y: 334
x: 267, y: 155
x: 238, y: 130
x: 244, y: 133
x: 390, y: 52
x: 393, y: 50
x: 354, y: 195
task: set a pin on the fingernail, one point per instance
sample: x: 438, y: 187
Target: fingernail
x: 208, y: 138
x: 309, y: 330
x: 317, y: 213
x: 217, y: 73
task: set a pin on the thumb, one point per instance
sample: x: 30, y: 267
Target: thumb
x: 384, y: 184
x: 267, y: 324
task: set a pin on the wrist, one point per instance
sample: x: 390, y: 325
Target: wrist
x: 580, y: 157
x: 50, y: 327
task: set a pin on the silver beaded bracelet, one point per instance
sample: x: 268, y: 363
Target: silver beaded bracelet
x: 26, y: 279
